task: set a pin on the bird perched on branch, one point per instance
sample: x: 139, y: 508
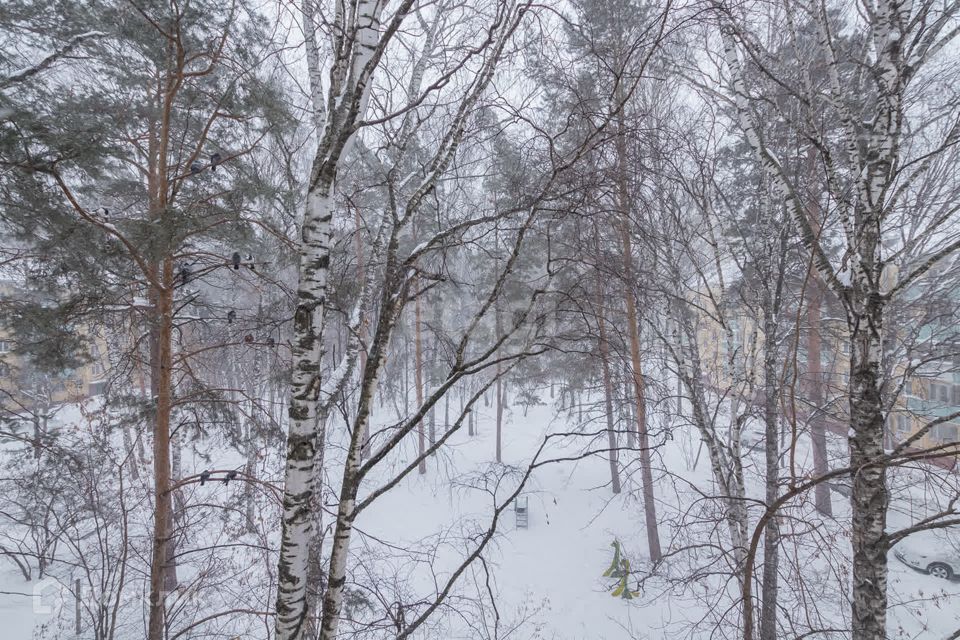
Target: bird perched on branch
x: 214, y: 161
x: 204, y: 476
x: 231, y: 475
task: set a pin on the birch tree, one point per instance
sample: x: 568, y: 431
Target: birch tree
x: 871, y: 170
x: 360, y: 37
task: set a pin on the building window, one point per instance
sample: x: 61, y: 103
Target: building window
x: 5, y: 346
x: 97, y: 358
x: 903, y: 424
x: 939, y: 392
x: 955, y: 395
x: 947, y: 432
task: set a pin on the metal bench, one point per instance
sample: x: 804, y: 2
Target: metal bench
x: 520, y: 509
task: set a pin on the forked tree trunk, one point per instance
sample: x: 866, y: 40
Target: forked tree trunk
x: 394, y: 292
x: 875, y: 149
x: 335, y: 587
x: 349, y: 90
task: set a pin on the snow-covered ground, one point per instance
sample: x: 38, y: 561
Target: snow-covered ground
x: 547, y: 579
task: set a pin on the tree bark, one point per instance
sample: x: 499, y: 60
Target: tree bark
x: 350, y: 484
x: 362, y: 277
x: 163, y: 503
x: 817, y: 419
x: 869, y: 499
x: 418, y: 381
x: 818, y: 430
x: 646, y: 470
x: 604, y: 348
x: 349, y: 92
x: 771, y: 534
x: 304, y: 434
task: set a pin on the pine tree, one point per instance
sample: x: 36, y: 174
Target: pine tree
x: 132, y: 175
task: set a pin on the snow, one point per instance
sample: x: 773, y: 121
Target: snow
x: 16, y: 602
x: 26, y: 607
x: 548, y: 577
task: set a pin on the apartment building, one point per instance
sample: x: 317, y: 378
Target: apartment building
x: 929, y: 393
x: 26, y: 389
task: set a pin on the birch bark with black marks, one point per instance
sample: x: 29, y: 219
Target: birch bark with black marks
x: 729, y: 481
x: 904, y: 37
x: 772, y: 287
x: 358, y: 46
x: 398, y: 276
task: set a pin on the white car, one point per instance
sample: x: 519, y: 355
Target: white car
x: 940, y: 561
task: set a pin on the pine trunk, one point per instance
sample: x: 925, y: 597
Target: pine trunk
x: 163, y: 497
x: 639, y: 391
